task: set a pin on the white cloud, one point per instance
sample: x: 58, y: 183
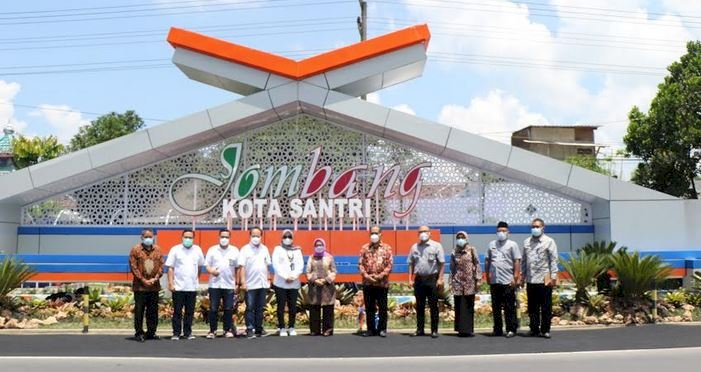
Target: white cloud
x: 495, y: 116
x: 508, y: 34
x: 64, y: 120
x: 405, y: 109
x: 8, y: 92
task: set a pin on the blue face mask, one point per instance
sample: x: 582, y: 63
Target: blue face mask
x: 187, y: 242
x: 147, y: 241
x: 536, y: 231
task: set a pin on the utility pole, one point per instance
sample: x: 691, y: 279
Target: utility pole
x: 363, y: 26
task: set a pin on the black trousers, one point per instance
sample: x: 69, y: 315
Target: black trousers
x: 375, y: 303
x: 425, y: 287
x: 540, y: 307
x: 287, y: 297
x: 464, y: 314
x: 321, y: 319
x: 183, y: 300
x: 504, y: 298
x: 145, y: 302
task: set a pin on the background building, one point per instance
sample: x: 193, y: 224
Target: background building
x: 557, y: 141
x: 6, y: 164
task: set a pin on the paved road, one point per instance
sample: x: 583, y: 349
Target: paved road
x: 620, y: 361
x: 349, y: 346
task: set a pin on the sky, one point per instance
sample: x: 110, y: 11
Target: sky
x: 494, y: 66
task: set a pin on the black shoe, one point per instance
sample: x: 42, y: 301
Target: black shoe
x: 152, y: 337
x: 418, y: 334
x: 367, y: 334
x: 546, y: 335
x: 383, y: 334
x: 533, y: 334
x: 466, y: 335
x: 497, y: 334
x: 140, y: 338
x: 510, y: 334
x: 250, y: 334
x: 262, y: 334
x: 434, y: 334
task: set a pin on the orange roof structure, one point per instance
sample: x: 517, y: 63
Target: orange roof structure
x: 299, y: 70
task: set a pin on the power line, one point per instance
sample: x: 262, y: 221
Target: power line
x: 426, y: 4
x: 160, y: 13
x: 162, y: 31
x: 65, y: 110
x: 252, y: 35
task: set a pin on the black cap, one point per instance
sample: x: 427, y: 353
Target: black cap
x: 502, y: 224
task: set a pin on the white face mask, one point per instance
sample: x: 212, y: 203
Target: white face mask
x: 374, y: 238
x: 287, y: 241
x: 255, y: 240
x: 461, y: 242
x: 423, y: 236
x: 501, y: 235
x: 224, y: 242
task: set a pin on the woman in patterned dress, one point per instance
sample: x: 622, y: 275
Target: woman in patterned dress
x: 321, y: 275
x: 465, y: 276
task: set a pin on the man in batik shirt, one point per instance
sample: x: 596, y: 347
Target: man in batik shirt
x: 375, y: 265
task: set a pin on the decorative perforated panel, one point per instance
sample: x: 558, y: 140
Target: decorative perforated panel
x: 451, y: 193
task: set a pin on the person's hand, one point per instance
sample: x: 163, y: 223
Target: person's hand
x: 439, y: 283
x: 411, y: 283
x: 552, y: 283
x: 242, y: 286
x: 290, y: 279
x: 171, y: 287
x: 319, y: 282
x: 215, y: 272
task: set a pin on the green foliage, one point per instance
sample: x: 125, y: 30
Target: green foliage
x: 601, y: 248
x: 637, y: 275
x: 668, y: 137
x: 119, y: 303
x: 583, y: 270
x: 597, y: 304
x: 588, y: 162
x: 677, y: 298
x: 344, y: 295
x: 28, y: 151
x: 105, y: 128
x: 12, y: 274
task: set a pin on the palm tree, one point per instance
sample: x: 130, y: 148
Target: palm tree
x: 637, y: 275
x: 583, y: 269
x: 603, y: 249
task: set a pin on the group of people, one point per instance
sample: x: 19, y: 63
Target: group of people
x: 508, y: 266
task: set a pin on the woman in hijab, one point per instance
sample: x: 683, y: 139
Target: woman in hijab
x: 465, y: 276
x: 288, y: 265
x: 321, y: 274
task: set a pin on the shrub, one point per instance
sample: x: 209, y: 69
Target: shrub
x: 605, y: 250
x: 12, y: 274
x: 677, y: 298
x: 583, y: 268
x: 637, y: 275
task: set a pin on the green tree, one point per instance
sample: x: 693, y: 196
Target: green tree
x: 28, y: 151
x: 105, y: 128
x: 668, y: 137
x: 588, y: 162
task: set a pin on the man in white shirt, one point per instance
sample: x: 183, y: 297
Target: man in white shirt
x: 288, y: 265
x: 254, y: 262
x: 184, y: 263
x: 222, y: 266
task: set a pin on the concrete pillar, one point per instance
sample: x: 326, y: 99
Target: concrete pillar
x: 10, y: 217
x: 601, y: 219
